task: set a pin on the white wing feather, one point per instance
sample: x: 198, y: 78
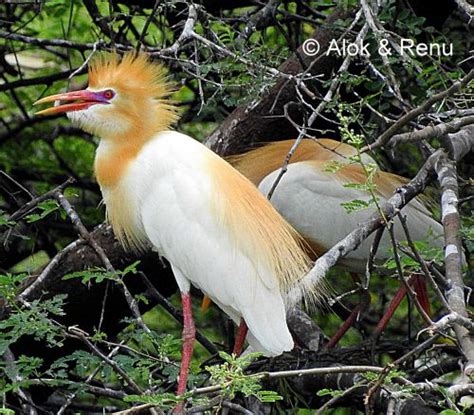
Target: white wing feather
x: 310, y: 200
x: 175, y: 201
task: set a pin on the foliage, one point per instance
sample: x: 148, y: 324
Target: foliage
x: 98, y: 275
x: 231, y: 377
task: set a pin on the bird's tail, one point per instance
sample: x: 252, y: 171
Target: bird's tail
x: 312, y: 289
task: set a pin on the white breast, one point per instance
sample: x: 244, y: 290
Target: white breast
x: 174, y: 194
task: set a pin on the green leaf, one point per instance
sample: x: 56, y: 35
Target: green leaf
x: 329, y: 392
x: 4, y: 220
x: 46, y: 207
x: 97, y: 275
x: 355, y: 205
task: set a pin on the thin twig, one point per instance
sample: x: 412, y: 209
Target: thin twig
x: 432, y: 131
x: 446, y: 171
x: 336, y: 398
x: 84, y: 233
x: 411, y: 115
x: 117, y: 394
x: 318, y: 110
x: 411, y: 293
x: 79, y: 334
x: 29, y: 206
x: 421, y: 261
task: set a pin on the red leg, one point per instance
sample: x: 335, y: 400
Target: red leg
x: 349, y: 322
x: 189, y: 333
x: 345, y: 326
x: 396, y: 300
x: 419, y: 285
x: 240, y: 338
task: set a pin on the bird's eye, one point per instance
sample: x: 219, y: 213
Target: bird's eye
x: 109, y: 94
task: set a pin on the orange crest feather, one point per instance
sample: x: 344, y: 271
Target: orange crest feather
x: 131, y: 72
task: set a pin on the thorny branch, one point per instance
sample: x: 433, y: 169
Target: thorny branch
x: 318, y: 110
x: 446, y: 172
x: 424, y: 107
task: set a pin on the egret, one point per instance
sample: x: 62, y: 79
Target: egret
x: 165, y: 190
x: 310, y: 196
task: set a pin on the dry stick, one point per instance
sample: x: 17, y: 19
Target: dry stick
x: 76, y: 333
x: 6, y: 180
x: 249, y: 63
x: 448, y: 114
x: 450, y: 320
x: 466, y: 10
x: 265, y: 13
x: 38, y: 282
x: 379, y: 35
x: 28, y: 207
x: 461, y: 390
x: 28, y: 406
x: 424, y: 107
x: 84, y: 233
x: 46, y: 42
x: 100, y: 44
x: 432, y: 131
x: 453, y: 392
x: 440, y: 368
x: 295, y: 373
x: 439, y: 280
x: 186, y: 33
x: 448, y: 180
x: 335, y: 398
x: 411, y: 293
x: 95, y: 390
x: 85, y: 64
x: 416, y: 350
x: 139, y: 409
x: 370, y: 395
x: 281, y: 375
x: 370, y: 260
x: 79, y: 334
x: 326, y: 100
x: 306, y: 74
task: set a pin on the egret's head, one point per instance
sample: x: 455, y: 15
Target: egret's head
x: 124, y: 97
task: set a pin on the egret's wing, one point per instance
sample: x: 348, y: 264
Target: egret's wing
x: 179, y: 217
x: 311, y: 199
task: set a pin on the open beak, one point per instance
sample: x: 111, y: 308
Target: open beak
x: 82, y: 100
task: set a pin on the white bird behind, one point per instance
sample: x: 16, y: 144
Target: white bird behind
x: 310, y: 196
